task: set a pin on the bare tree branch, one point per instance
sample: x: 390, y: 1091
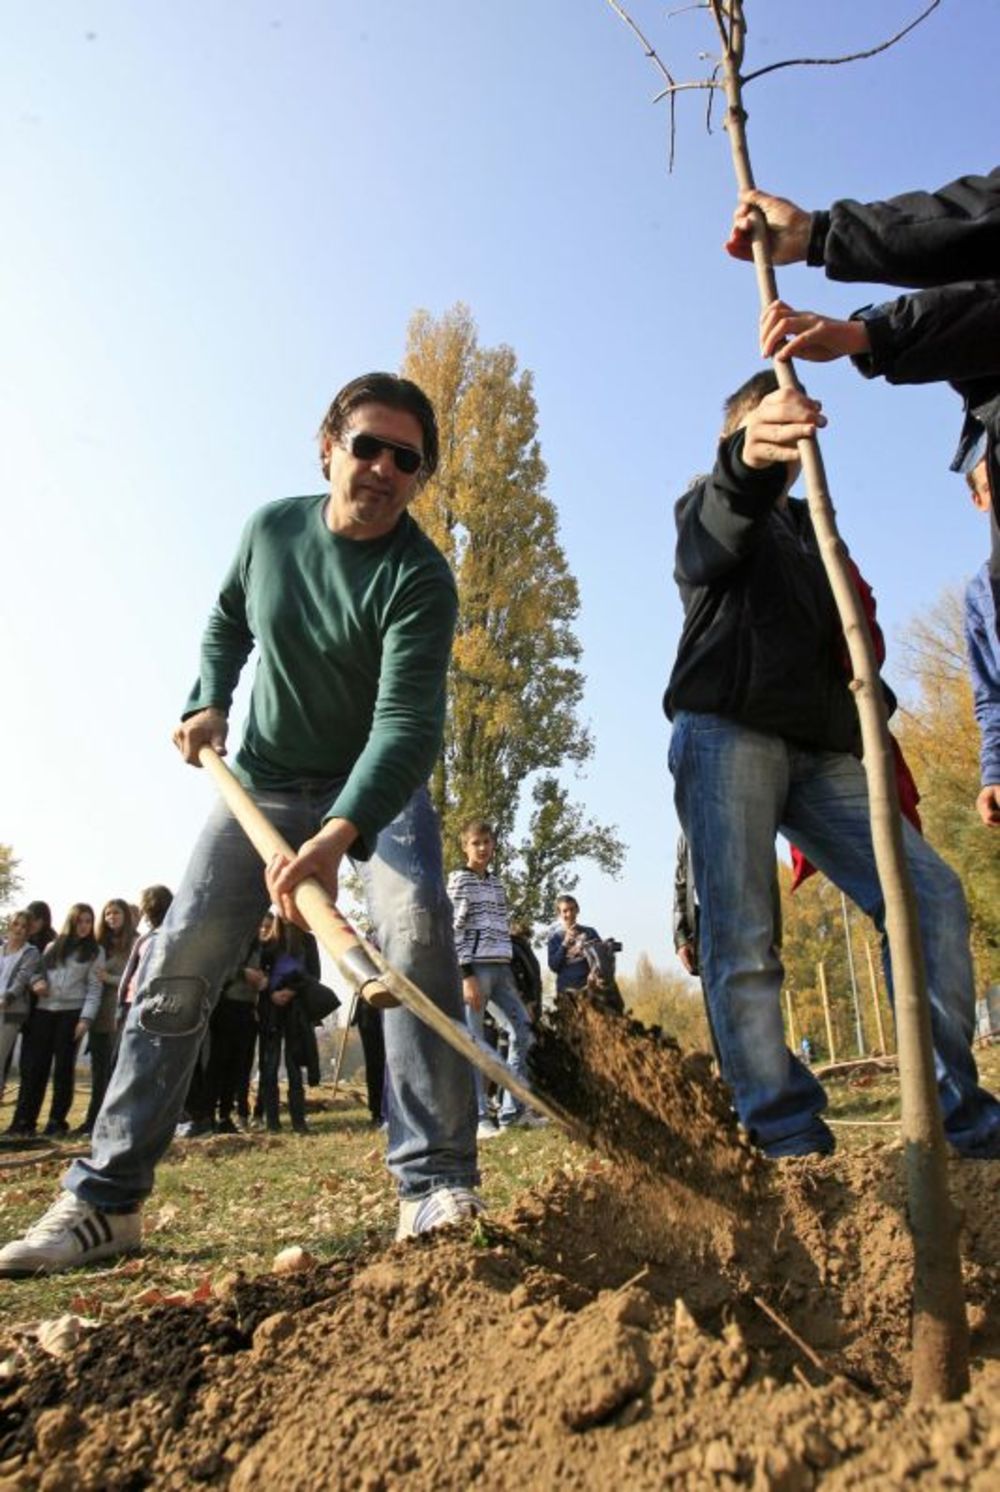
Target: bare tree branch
x: 685, y: 87
x: 852, y: 57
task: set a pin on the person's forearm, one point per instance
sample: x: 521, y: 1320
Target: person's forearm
x: 947, y: 334
x: 917, y: 239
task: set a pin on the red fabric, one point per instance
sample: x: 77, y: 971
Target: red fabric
x: 909, y: 794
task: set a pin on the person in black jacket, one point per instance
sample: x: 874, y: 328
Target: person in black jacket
x: 945, y: 243
x: 766, y: 739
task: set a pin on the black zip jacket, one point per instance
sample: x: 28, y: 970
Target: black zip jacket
x: 948, y: 240
x: 761, y: 642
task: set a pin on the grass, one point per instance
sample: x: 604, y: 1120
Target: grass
x: 230, y: 1203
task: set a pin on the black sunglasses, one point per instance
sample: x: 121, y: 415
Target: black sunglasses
x: 365, y: 447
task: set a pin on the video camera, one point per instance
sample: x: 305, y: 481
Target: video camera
x: 600, y: 956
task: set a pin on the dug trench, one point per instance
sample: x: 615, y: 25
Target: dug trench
x: 684, y: 1315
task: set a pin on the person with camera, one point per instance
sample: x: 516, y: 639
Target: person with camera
x: 580, y: 958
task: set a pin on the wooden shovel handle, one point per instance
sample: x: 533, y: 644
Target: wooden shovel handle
x: 332, y: 929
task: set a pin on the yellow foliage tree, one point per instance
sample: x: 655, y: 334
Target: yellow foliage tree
x: 937, y: 730
x: 516, y: 684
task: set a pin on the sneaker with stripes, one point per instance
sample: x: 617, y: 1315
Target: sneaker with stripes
x: 448, y: 1204
x: 69, y: 1234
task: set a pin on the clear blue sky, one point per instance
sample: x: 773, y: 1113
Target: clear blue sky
x: 215, y: 214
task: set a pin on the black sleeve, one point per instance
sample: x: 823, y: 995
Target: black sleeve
x: 918, y: 239
x: 951, y: 333
x: 720, y: 519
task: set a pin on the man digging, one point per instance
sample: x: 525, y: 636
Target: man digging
x: 352, y: 610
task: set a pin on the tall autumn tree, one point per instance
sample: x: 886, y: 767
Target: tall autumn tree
x: 516, y: 684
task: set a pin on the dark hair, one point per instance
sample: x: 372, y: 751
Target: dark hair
x: 108, y: 940
x: 67, y: 943
x: 564, y: 897
x: 40, y: 909
x: 382, y: 388
x: 476, y: 826
x: 746, y: 398
x: 154, y: 903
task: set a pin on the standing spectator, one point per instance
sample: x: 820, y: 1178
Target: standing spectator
x: 567, y: 959
x: 983, y: 642
x: 154, y: 903
x: 69, y: 994
x: 20, y: 965
x: 40, y: 935
x: 115, y: 935
x: 233, y: 1039
x: 482, y: 942
x: 686, y: 914
x: 369, y: 1021
x: 526, y: 969
x: 40, y: 930
x: 282, y: 1016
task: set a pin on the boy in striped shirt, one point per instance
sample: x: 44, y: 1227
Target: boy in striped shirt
x: 483, y: 946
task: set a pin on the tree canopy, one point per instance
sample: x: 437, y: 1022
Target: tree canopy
x: 515, y: 685
x: 10, y: 881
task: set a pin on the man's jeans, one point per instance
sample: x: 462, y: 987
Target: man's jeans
x: 735, y: 788
x: 210, y: 923
x: 501, y: 998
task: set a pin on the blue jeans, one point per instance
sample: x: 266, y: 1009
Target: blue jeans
x: 501, y: 998
x: 217, y: 909
x: 735, y: 789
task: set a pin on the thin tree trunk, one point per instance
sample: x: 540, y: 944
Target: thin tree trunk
x: 821, y: 975
x: 791, y: 1020
x: 940, y: 1329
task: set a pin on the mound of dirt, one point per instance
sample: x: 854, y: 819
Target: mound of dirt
x: 682, y: 1316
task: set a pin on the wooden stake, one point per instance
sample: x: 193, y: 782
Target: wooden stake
x: 876, y: 1004
x: 821, y: 972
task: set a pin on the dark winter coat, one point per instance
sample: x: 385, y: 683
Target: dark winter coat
x: 949, y: 242
x: 761, y: 642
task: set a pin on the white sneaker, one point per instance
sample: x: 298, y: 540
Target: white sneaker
x: 448, y: 1204
x: 487, y: 1129
x: 69, y: 1234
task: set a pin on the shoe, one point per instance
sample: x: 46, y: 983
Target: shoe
x: 988, y: 1148
x: 527, y: 1119
x: 439, y: 1209
x: 302, y: 1128
x: 20, y: 1131
x: 56, y: 1129
x: 487, y: 1129
x: 69, y: 1234
x: 817, y: 1139
x: 82, y: 1132
x: 226, y: 1127
x: 194, y: 1129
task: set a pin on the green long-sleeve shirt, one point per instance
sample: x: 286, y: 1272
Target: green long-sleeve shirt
x: 353, y: 639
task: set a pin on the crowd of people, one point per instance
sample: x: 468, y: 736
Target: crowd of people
x: 68, y: 994
x: 352, y: 609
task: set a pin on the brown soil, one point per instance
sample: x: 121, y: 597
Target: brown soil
x: 685, y: 1316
